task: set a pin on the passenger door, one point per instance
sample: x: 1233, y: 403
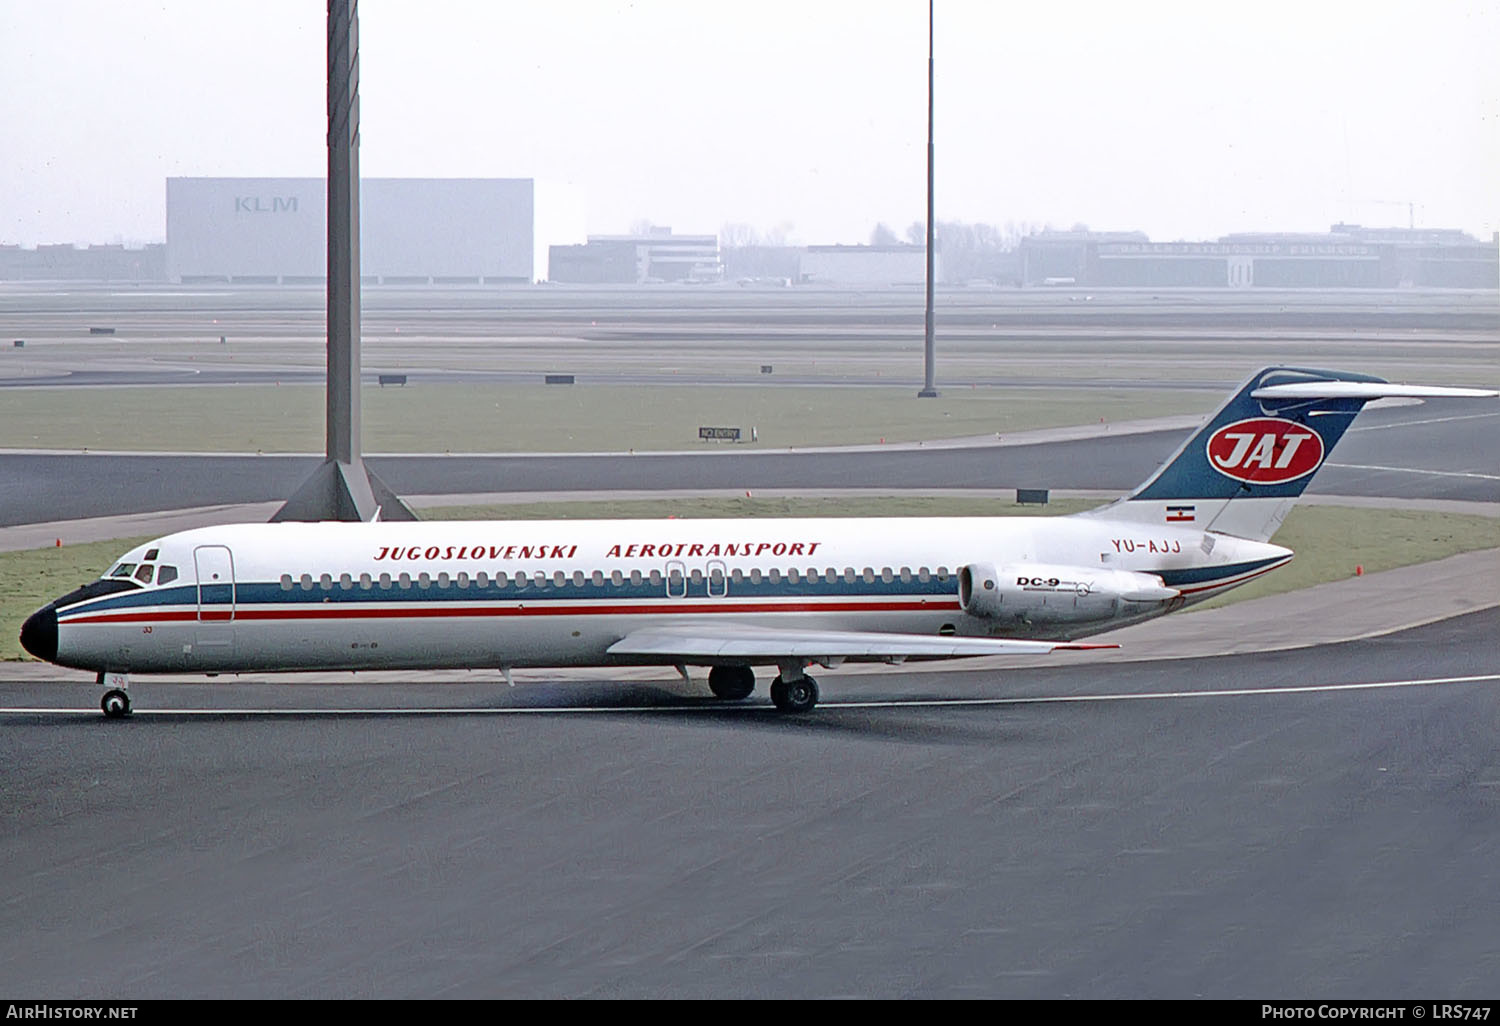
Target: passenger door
x: 216, y: 594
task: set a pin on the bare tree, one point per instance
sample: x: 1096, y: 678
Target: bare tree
x: 916, y: 233
x: 737, y: 235
x: 883, y: 236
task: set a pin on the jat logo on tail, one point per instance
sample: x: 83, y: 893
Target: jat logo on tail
x: 1264, y: 450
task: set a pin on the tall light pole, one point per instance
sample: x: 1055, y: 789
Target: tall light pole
x: 342, y: 488
x: 929, y: 389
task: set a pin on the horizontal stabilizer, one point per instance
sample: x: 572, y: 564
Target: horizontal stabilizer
x: 1367, y: 390
x: 740, y: 641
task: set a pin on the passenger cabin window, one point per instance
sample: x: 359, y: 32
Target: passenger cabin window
x: 286, y: 579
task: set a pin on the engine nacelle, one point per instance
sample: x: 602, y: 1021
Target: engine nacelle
x: 1052, y: 593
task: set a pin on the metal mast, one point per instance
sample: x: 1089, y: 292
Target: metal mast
x: 929, y: 390
x: 342, y: 488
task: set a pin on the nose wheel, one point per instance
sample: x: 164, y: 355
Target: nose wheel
x: 115, y: 703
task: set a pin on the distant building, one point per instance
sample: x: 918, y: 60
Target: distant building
x: 866, y: 265
x: 92, y: 263
x: 657, y: 255
x: 1347, y: 256
x: 412, y: 230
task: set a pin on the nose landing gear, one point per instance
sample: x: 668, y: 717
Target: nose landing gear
x: 116, y: 701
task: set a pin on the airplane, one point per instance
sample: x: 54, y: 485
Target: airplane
x: 729, y: 594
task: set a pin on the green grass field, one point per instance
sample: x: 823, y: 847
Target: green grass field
x: 539, y: 418
x: 1330, y: 541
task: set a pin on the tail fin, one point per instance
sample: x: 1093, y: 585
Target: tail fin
x: 1242, y: 472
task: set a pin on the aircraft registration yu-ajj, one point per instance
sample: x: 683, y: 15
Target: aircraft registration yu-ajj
x: 727, y: 594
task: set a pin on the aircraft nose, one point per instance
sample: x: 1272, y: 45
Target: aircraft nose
x: 39, y: 634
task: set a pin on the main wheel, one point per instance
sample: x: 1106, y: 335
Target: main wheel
x: 795, y: 696
x: 731, y: 683
x: 115, y: 704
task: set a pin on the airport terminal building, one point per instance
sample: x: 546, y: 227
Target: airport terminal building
x: 415, y: 231
x: 1346, y: 256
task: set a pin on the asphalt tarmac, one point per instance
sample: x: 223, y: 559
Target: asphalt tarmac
x: 1068, y: 836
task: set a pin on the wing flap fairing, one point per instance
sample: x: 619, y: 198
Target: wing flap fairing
x: 740, y: 641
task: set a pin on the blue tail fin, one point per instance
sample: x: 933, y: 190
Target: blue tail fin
x: 1242, y: 471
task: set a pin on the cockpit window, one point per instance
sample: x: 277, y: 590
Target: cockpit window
x: 123, y: 570
x: 152, y: 554
x: 144, y: 573
x: 166, y: 575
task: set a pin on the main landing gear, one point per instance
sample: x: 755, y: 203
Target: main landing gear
x: 792, y: 691
x: 116, y: 701
x: 731, y: 683
x: 797, y: 695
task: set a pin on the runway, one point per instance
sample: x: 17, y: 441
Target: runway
x: 1062, y: 841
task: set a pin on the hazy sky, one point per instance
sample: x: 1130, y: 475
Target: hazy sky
x: 1185, y: 120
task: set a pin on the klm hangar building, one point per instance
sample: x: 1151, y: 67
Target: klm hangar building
x: 413, y: 231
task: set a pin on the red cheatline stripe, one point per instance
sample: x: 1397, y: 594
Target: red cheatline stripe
x: 680, y: 606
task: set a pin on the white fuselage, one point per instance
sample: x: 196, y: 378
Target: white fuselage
x: 282, y: 597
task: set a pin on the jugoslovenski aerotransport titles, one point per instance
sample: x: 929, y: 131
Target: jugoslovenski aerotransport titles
x: 731, y: 595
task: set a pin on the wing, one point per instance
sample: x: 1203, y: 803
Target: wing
x: 692, y: 641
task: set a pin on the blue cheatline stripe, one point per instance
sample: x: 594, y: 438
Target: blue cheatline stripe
x: 1199, y: 575
x: 252, y: 593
